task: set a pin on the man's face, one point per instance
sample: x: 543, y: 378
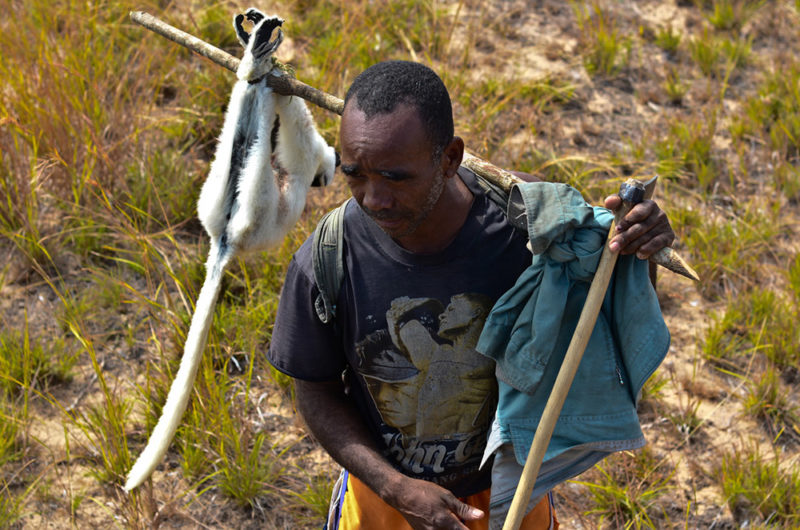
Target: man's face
x: 388, y: 162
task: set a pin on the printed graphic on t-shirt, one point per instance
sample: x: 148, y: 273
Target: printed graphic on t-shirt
x: 435, y: 394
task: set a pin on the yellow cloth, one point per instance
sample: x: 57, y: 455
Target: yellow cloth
x: 364, y: 510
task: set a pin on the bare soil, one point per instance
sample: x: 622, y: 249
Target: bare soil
x: 539, y: 39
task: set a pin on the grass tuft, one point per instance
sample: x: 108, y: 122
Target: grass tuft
x: 668, y: 39
x: 28, y: 362
x: 629, y: 490
x: 769, y: 402
x: 732, y: 15
x: 760, y: 322
x: 605, y: 50
x: 728, y: 251
x: 762, y: 485
x: 675, y: 87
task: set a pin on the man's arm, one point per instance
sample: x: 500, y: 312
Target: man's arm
x: 337, y: 425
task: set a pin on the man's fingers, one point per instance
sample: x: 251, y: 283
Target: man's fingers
x: 653, y: 245
x: 464, y: 511
x: 612, y: 202
x: 641, y: 213
x: 629, y: 240
x: 643, y: 231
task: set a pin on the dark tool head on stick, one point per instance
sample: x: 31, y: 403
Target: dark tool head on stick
x: 632, y: 191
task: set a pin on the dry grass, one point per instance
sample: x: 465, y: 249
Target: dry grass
x: 106, y: 137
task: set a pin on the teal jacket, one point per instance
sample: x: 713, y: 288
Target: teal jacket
x: 530, y: 327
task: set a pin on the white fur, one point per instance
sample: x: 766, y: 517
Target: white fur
x: 210, y: 206
x: 268, y: 210
x: 181, y: 389
x: 261, y: 215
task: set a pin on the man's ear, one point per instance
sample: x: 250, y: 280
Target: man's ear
x: 451, y: 156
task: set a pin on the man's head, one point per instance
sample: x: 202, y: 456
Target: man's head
x: 382, y: 87
x: 399, y: 154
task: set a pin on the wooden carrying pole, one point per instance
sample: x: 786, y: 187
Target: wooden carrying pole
x: 289, y: 86
x: 572, y: 359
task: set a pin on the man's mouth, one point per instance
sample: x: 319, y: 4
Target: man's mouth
x: 388, y: 223
x: 384, y: 217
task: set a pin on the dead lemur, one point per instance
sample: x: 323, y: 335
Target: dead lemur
x: 242, y: 205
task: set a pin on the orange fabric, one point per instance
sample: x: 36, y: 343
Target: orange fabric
x: 364, y: 510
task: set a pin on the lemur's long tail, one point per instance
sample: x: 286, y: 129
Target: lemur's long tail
x: 181, y: 388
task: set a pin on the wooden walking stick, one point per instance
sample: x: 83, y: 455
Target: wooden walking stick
x: 632, y: 192
x: 289, y: 86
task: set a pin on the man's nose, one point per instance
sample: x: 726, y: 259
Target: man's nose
x: 377, y: 195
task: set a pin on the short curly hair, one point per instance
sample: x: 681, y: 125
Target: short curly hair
x: 381, y: 87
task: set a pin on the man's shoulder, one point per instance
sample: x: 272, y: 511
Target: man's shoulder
x: 302, y: 258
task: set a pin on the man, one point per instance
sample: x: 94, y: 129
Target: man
x: 422, y: 230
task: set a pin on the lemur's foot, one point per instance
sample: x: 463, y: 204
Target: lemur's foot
x: 263, y: 47
x: 241, y: 34
x: 263, y: 27
x: 254, y: 15
x: 258, y: 50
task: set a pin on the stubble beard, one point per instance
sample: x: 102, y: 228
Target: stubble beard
x: 430, y: 202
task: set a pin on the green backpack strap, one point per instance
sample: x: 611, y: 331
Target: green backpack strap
x: 495, y: 193
x: 328, y: 262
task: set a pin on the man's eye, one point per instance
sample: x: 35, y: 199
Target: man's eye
x: 349, y: 172
x: 394, y: 176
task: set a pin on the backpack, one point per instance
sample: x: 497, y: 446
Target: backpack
x: 327, y: 251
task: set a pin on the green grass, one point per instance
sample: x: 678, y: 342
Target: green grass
x: 11, y: 446
x: 773, y: 115
x: 760, y: 322
x: 106, y: 132
x: 675, y: 88
x: 605, y: 49
x: 728, y: 250
x: 690, y: 144
x: 628, y: 491
x: 706, y: 52
x: 10, y: 506
x: 313, y: 501
x: 731, y: 15
x: 768, y: 401
x: 28, y: 363
x: 761, y: 485
x: 668, y: 39
x: 685, y: 417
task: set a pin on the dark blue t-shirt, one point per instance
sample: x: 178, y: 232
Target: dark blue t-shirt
x: 408, y: 325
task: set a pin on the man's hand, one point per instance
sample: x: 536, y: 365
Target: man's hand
x: 643, y: 231
x: 427, y: 506
x: 335, y: 422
